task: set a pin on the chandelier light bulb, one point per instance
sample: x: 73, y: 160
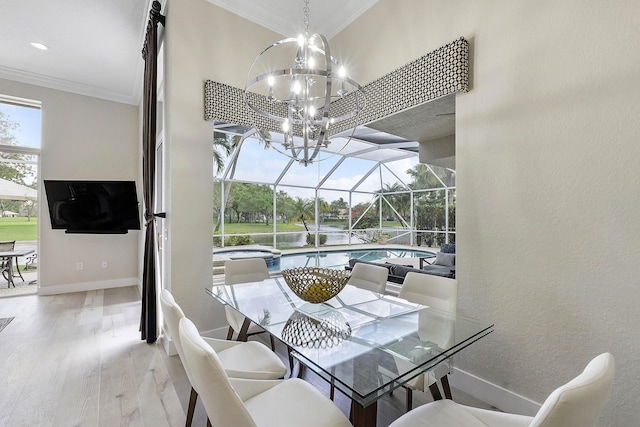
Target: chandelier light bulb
x: 296, y: 88
x: 342, y: 72
x: 285, y: 126
x: 271, y: 80
x: 311, y: 62
x: 312, y: 110
x: 301, y: 40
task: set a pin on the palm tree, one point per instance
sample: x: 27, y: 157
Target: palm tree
x: 323, y: 207
x: 400, y: 200
x: 222, y: 148
x: 303, y: 209
x: 222, y: 144
x: 422, y: 177
x: 229, y: 145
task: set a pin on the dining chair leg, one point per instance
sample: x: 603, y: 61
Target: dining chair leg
x: 273, y: 343
x: 209, y: 422
x: 446, y: 387
x: 409, y: 399
x: 230, y: 333
x: 192, y: 406
x: 435, y: 391
x: 290, y: 361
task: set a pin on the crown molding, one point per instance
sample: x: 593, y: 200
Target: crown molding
x: 69, y: 86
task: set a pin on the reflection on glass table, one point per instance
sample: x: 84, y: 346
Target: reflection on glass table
x: 351, y: 338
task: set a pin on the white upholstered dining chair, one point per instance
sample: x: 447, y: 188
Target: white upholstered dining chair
x: 369, y: 277
x: 238, y: 359
x: 440, y: 293
x: 241, y: 271
x: 249, y: 403
x: 578, y: 403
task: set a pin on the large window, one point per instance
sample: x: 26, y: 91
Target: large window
x: 19, y: 150
x: 360, y: 195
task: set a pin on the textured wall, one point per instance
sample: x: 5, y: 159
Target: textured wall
x: 548, y: 175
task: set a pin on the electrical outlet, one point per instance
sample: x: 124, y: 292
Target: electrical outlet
x: 104, y: 264
x: 79, y: 266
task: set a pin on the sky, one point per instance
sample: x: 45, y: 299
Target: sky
x: 28, y: 118
x: 256, y: 164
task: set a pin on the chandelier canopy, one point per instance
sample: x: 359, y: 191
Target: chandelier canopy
x: 302, y: 92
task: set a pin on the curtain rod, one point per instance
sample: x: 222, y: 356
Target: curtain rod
x: 154, y: 17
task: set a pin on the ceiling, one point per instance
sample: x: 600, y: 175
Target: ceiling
x: 94, y: 45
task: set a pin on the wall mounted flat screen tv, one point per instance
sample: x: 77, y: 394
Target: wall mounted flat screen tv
x: 93, y: 207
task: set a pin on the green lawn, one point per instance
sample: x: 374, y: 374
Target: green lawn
x: 18, y: 228
x: 249, y: 228
x: 22, y: 229
x: 261, y: 227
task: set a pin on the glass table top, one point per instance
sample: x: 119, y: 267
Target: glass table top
x: 351, y: 338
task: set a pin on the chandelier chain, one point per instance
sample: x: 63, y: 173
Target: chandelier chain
x: 306, y: 16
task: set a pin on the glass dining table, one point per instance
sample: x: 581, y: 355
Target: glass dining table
x: 364, y: 343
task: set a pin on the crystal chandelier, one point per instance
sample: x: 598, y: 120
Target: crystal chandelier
x: 300, y: 93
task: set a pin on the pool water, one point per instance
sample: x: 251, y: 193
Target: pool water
x: 339, y: 259
x: 271, y: 261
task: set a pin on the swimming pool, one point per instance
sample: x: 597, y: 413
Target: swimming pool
x: 270, y: 259
x: 339, y: 259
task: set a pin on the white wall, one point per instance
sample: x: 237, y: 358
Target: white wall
x: 202, y: 42
x: 548, y: 179
x: 548, y: 171
x: 83, y: 138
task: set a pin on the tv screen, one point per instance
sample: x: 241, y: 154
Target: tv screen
x: 104, y: 207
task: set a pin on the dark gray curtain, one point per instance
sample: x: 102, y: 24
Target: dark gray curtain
x: 149, y: 316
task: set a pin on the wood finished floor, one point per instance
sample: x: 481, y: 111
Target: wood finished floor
x: 77, y: 360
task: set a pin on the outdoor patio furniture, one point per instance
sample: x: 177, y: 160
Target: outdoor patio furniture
x: 32, y: 262
x: 5, y: 261
x: 9, y: 255
x: 397, y: 272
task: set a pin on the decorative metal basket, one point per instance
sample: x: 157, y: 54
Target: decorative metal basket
x: 304, y: 331
x: 316, y: 284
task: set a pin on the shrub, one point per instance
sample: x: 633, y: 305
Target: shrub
x: 238, y: 240
x: 311, y: 239
x: 233, y: 240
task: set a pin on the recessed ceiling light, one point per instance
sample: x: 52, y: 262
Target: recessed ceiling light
x: 39, y: 46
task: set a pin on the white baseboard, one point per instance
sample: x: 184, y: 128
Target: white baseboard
x: 168, y: 344
x: 492, y: 394
x: 87, y: 286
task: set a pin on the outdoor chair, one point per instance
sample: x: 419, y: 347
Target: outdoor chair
x: 32, y: 262
x: 5, y: 262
